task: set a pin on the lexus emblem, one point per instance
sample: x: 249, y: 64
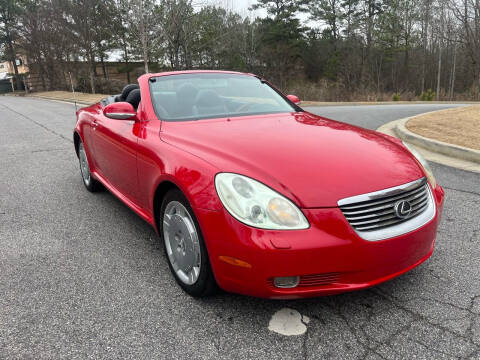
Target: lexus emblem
x: 403, y: 209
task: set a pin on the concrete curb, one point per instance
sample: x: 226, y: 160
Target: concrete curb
x: 61, y: 100
x: 430, y: 155
x: 455, y: 151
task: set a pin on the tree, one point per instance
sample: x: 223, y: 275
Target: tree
x: 139, y: 29
x: 361, y: 49
x: 467, y: 14
x: 329, y: 12
x: 281, y: 38
x: 178, y: 23
x: 425, y: 15
x: 280, y: 9
x: 90, y: 22
x: 10, y: 12
x: 122, y: 34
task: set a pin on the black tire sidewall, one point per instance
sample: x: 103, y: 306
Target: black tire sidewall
x: 205, y: 285
x: 94, y: 185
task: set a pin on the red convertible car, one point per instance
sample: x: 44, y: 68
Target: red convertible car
x: 253, y: 194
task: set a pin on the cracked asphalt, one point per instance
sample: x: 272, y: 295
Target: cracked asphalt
x: 81, y: 276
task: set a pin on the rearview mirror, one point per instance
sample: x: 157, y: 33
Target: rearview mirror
x: 293, y: 98
x: 120, y: 111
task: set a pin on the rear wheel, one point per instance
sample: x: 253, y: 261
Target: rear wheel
x: 184, y: 246
x: 90, y: 183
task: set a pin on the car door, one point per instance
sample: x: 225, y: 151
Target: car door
x: 150, y: 154
x: 115, y: 146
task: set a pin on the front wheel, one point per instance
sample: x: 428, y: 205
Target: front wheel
x: 184, y: 246
x: 90, y: 183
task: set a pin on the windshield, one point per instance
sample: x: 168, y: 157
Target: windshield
x: 213, y: 95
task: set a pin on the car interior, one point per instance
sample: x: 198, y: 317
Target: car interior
x: 188, y: 101
x: 130, y: 94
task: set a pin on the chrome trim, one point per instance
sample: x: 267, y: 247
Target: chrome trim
x: 120, y: 116
x: 412, y: 196
x: 422, y: 202
x: 383, y: 193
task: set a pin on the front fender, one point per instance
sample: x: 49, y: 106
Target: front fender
x: 159, y: 162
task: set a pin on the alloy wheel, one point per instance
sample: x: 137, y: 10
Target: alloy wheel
x: 84, y: 167
x: 182, y: 242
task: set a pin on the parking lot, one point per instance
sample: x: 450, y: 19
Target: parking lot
x: 81, y: 276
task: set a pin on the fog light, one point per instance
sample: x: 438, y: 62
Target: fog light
x: 286, y: 281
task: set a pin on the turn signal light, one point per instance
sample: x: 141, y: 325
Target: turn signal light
x: 235, y: 262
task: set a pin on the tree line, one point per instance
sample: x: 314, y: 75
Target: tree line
x: 320, y: 49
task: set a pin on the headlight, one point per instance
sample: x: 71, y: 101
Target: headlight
x: 255, y: 204
x: 424, y: 163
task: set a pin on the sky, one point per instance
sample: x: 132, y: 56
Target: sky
x: 241, y: 6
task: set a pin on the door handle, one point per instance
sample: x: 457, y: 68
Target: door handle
x: 94, y: 124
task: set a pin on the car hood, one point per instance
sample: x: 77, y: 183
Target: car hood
x: 310, y: 159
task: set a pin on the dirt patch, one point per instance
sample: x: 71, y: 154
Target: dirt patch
x: 459, y: 126
x: 351, y: 103
x: 69, y: 96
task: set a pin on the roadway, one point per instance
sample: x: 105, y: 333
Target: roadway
x: 82, y: 276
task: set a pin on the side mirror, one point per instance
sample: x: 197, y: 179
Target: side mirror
x: 120, y: 111
x: 293, y: 98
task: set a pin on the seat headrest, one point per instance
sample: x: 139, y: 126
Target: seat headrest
x: 208, y: 98
x: 187, y: 92
x: 127, y: 89
x: 134, y: 98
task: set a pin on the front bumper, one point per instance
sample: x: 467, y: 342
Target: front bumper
x: 329, y: 257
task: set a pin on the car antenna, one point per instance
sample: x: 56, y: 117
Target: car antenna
x: 73, y: 91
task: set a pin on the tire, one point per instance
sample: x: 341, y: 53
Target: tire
x: 184, y: 246
x: 90, y: 183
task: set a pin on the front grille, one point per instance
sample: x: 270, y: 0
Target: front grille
x: 319, y: 279
x: 376, y: 211
x: 313, y: 280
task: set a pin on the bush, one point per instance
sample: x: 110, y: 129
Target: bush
x: 83, y: 83
x: 102, y: 86
x: 108, y: 86
x: 396, y: 97
x: 124, y: 68
x: 428, y: 95
x: 409, y: 96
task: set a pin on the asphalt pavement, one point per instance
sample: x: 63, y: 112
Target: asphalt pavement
x: 374, y: 116
x: 81, y: 276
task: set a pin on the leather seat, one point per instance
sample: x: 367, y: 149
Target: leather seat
x: 126, y: 91
x: 134, y: 98
x: 208, y: 102
x: 186, y: 97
